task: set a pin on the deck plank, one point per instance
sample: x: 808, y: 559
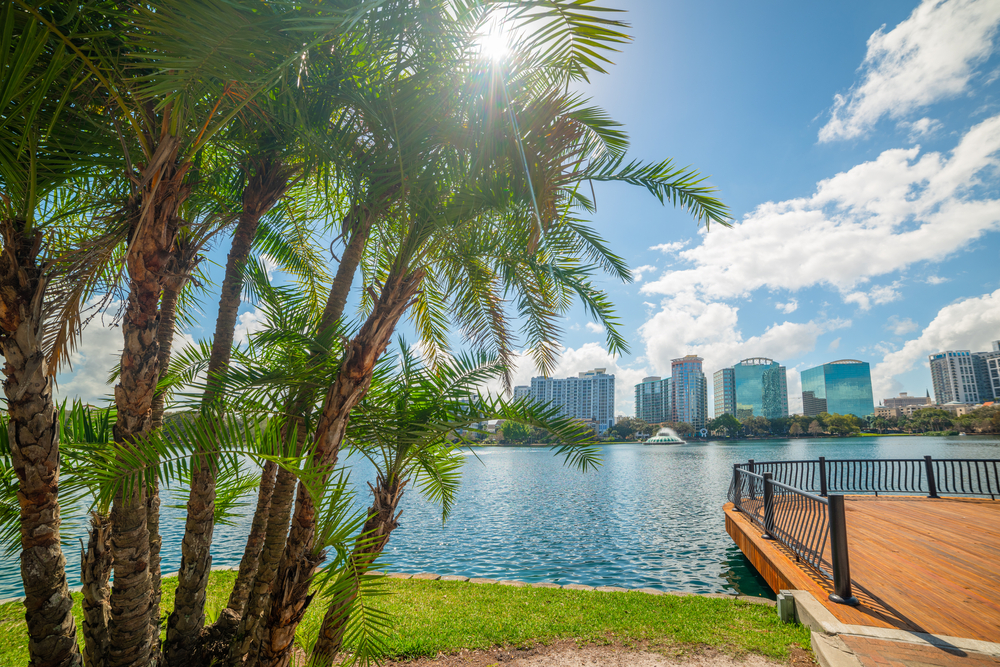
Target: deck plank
x: 918, y: 564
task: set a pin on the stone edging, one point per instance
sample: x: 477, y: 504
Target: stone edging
x: 430, y: 576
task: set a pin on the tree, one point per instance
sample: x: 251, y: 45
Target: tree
x: 796, y: 429
x: 757, y: 425
x: 515, y: 432
x: 726, y: 423
x: 815, y: 428
x: 626, y: 428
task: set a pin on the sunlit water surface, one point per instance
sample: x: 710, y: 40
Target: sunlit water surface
x: 649, y: 516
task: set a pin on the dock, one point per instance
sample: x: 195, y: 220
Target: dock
x: 917, y: 564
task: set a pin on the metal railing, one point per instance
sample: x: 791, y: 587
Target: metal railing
x: 963, y: 477
x: 801, y: 521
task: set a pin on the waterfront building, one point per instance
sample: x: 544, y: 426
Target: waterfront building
x: 902, y: 405
x: 841, y: 387
x: 988, y: 373
x: 688, y: 391
x: 522, y: 391
x: 724, y: 391
x: 761, y: 389
x: 960, y: 376
x: 589, y: 396
x: 652, y: 400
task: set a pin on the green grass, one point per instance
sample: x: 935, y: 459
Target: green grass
x: 434, y: 616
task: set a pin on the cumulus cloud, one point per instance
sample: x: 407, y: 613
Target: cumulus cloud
x: 668, y: 248
x: 900, y: 327
x: 877, y: 295
x: 932, y: 55
x: 711, y: 330
x: 789, y: 307
x: 876, y: 218
x: 936, y: 280
x: 638, y: 272
x: 968, y: 324
x: 584, y: 358
x: 247, y: 323
x: 919, y: 129
x: 834, y: 344
x: 593, y: 327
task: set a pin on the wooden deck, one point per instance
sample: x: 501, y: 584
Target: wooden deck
x: 916, y: 564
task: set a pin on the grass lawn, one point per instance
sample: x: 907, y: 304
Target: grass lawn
x: 434, y: 616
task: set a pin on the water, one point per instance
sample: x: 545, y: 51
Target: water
x: 650, y: 516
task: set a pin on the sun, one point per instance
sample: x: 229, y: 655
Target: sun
x: 494, y: 40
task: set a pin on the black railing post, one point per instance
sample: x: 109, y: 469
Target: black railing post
x: 839, y: 554
x: 753, y: 487
x: 768, y: 507
x: 822, y: 476
x: 931, y: 482
x: 737, y: 495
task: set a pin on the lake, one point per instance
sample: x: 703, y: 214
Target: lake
x: 649, y: 516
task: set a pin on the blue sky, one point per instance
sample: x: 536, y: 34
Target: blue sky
x: 857, y: 145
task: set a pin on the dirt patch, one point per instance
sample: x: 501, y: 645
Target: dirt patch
x: 570, y: 654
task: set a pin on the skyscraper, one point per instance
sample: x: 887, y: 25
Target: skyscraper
x: 652, y: 400
x: 688, y: 391
x: 522, y: 391
x: 724, y: 391
x: 961, y: 376
x: 761, y: 389
x: 589, y: 396
x: 840, y: 387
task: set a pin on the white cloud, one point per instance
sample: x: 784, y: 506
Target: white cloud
x: 834, y: 344
x: 789, y: 307
x: 247, y: 323
x: 919, y: 129
x: 900, y: 327
x: 667, y: 248
x: 936, y: 280
x: 594, y: 327
x: 879, y: 217
x: 687, y: 325
x: 930, y: 56
x: 586, y: 357
x: 638, y: 272
x: 969, y: 324
x: 878, y: 295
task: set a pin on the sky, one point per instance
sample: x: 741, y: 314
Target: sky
x: 857, y: 146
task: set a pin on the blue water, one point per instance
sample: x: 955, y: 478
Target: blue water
x: 649, y: 516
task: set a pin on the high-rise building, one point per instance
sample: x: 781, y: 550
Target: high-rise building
x: 652, y: 400
x: 761, y: 389
x: 589, y: 396
x: 688, y: 391
x: 522, y: 391
x: 961, y: 376
x: 840, y: 387
x: 724, y: 391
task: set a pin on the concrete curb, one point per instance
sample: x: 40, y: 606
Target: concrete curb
x: 810, y: 612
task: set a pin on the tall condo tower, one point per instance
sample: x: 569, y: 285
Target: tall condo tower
x: 688, y: 391
x: 724, y: 390
x: 652, y: 400
x: 961, y: 376
x: 589, y: 396
x: 840, y: 387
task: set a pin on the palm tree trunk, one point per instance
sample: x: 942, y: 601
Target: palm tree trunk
x: 34, y: 443
x: 148, y: 254
x: 382, y: 520
x: 95, y: 571
x: 265, y: 187
x: 255, y: 543
x: 350, y: 386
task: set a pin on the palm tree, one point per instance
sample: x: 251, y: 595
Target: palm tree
x: 410, y: 427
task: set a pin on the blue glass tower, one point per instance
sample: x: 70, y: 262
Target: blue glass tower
x: 841, y: 388
x: 761, y: 389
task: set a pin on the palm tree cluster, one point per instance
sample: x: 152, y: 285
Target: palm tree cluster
x: 135, y: 136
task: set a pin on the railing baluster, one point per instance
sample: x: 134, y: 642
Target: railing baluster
x: 768, y: 507
x: 822, y: 476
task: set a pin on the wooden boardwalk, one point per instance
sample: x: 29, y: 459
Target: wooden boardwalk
x: 916, y: 564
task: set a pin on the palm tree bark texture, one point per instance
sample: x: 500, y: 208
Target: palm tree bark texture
x: 95, y: 572
x: 382, y: 520
x: 265, y: 187
x: 34, y: 444
x: 299, y: 561
x: 154, y: 228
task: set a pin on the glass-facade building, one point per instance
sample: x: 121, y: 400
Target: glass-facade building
x: 841, y: 387
x: 652, y: 400
x: 761, y: 389
x: 688, y: 391
x: 724, y: 390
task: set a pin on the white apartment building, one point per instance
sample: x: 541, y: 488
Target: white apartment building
x: 589, y: 396
x: 961, y: 376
